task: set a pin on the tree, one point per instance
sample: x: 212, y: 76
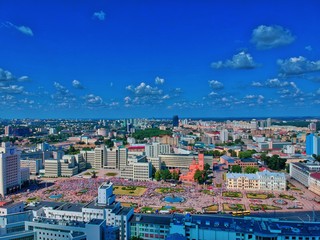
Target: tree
x: 157, y: 175
x: 109, y: 143
x: 153, y: 171
x: 316, y: 157
x: 200, y: 176
x: 94, y: 174
x: 206, y: 166
x: 136, y: 238
x: 175, y: 175
x: 165, y: 174
x: 246, y: 154
x: 236, y: 169
x: 274, y: 162
x: 250, y: 169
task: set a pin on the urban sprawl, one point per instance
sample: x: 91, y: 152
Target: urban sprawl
x: 160, y: 179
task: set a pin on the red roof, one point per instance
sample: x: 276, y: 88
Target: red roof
x: 315, y: 175
x: 136, y: 147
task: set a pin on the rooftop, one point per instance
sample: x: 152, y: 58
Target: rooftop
x: 73, y: 207
x: 38, y: 205
x: 315, y: 175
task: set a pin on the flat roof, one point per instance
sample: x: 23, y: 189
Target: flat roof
x: 151, y: 218
x: 73, y: 207
x: 42, y: 204
x: 93, y: 204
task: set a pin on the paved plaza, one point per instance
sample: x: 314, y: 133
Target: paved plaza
x: 81, y: 190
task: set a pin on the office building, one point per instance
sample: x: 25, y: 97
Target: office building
x: 209, y: 227
x: 314, y: 183
x: 175, y: 121
x: 104, y: 207
x: 10, y: 175
x: 10, y: 207
x: 138, y: 168
x: 312, y: 144
x: 155, y: 149
x: 32, y: 164
x: 181, y: 161
x: 301, y: 171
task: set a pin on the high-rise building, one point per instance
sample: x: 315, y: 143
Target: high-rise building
x: 175, y: 121
x: 224, y: 135
x: 269, y: 122
x: 153, y: 150
x: 313, y: 144
x: 10, y: 176
x: 313, y: 126
x: 7, y: 130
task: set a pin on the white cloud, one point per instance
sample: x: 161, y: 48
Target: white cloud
x: 61, y: 89
x: 266, y: 37
x: 241, y: 60
x: 92, y: 99
x: 144, y: 89
x: 256, y: 84
x: 159, y: 80
x: 23, y: 29
x: 77, y: 84
x: 13, y: 89
x: 6, y: 76
x: 214, y: 84
x: 24, y: 79
x: 250, y: 96
x: 308, y: 48
x: 275, y: 83
x: 101, y: 15
x: 298, y: 65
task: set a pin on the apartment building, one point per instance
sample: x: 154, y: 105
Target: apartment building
x: 265, y: 181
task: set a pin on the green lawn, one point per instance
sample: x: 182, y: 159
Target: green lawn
x: 232, y: 194
x: 169, y: 190
x: 208, y: 192
x: 289, y: 197
x: 212, y: 208
x: 233, y: 207
x: 257, y: 207
x: 260, y: 195
x: 111, y: 174
x: 146, y: 209
x: 129, y: 190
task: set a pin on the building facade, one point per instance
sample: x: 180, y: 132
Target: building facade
x: 10, y: 176
x: 265, y: 181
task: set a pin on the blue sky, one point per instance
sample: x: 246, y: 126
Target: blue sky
x: 115, y: 59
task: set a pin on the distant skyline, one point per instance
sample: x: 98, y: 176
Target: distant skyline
x: 144, y: 59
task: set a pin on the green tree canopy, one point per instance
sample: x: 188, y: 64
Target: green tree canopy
x: 236, y: 169
x: 250, y: 169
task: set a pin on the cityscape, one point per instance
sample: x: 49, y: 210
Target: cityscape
x: 171, y: 120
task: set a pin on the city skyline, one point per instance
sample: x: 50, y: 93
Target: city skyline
x: 140, y: 59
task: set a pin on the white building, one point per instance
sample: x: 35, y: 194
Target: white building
x: 10, y: 176
x: 104, y: 207
x: 224, y: 135
x: 265, y: 181
x: 138, y: 168
x: 301, y: 171
x: 155, y: 149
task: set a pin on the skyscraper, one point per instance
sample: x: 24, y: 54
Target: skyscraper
x: 10, y: 178
x: 175, y: 121
x: 313, y: 144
